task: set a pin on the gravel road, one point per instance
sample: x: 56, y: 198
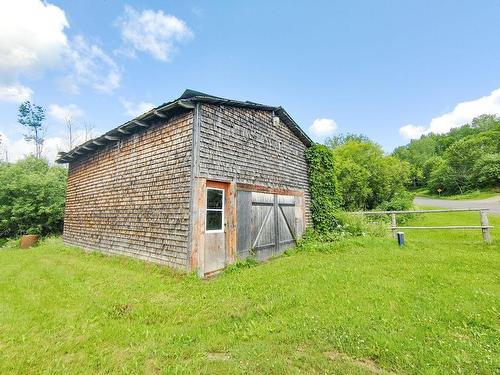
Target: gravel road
x: 492, y: 203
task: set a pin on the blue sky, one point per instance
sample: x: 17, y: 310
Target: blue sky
x: 389, y: 69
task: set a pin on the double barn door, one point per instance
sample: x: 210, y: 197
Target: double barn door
x: 267, y: 223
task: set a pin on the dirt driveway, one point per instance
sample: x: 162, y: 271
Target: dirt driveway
x: 492, y: 203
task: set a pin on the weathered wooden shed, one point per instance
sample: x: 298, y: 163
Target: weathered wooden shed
x: 195, y: 183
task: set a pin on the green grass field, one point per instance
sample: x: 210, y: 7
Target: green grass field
x: 360, y: 305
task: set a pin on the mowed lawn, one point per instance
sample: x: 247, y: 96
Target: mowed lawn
x: 361, y: 305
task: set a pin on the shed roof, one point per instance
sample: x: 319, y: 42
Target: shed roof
x: 185, y: 102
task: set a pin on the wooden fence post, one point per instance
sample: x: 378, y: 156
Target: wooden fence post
x: 394, y: 225
x: 485, y: 226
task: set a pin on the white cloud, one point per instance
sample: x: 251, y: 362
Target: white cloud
x: 33, y: 40
x: 462, y: 114
x: 137, y: 109
x: 412, y: 131
x: 153, y: 32
x: 13, y: 150
x: 63, y: 113
x: 32, y: 37
x: 51, y: 148
x: 15, y: 93
x: 323, y: 127
x: 92, y: 67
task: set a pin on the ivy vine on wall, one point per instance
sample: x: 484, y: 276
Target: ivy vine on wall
x: 325, y: 199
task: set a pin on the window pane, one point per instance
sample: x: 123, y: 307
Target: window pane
x: 214, y: 220
x: 214, y: 198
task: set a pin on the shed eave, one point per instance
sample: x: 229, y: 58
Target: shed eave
x: 125, y: 130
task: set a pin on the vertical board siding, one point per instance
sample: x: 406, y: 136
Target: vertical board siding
x: 132, y: 198
x: 244, y: 235
x: 243, y: 145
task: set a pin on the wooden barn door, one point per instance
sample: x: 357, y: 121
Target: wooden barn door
x: 267, y: 223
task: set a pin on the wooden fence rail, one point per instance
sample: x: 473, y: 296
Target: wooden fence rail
x: 483, y: 217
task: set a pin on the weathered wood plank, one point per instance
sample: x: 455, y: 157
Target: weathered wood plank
x: 244, y: 232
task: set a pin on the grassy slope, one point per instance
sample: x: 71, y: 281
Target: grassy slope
x: 431, y: 307
x: 478, y: 194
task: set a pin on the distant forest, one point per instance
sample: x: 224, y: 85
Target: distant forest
x: 465, y: 159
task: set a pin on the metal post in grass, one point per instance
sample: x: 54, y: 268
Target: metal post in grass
x: 393, y: 225
x: 401, y: 239
x: 485, y: 226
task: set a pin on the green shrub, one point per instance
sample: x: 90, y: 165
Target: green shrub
x: 355, y: 187
x: 348, y: 225
x: 366, y: 177
x: 401, y: 201
x: 6, y: 243
x: 32, y: 195
x: 360, y: 225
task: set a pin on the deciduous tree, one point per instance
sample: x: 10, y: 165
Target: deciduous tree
x: 31, y: 116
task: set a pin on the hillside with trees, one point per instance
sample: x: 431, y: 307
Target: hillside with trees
x: 465, y: 159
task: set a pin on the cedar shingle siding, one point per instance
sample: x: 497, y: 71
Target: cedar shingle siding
x: 132, y: 198
x: 243, y: 145
x: 140, y: 189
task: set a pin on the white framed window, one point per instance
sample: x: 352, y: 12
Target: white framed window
x: 214, y: 217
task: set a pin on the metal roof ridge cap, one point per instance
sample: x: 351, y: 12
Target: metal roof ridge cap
x: 233, y: 102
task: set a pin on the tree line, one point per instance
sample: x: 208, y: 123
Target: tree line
x: 464, y: 159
